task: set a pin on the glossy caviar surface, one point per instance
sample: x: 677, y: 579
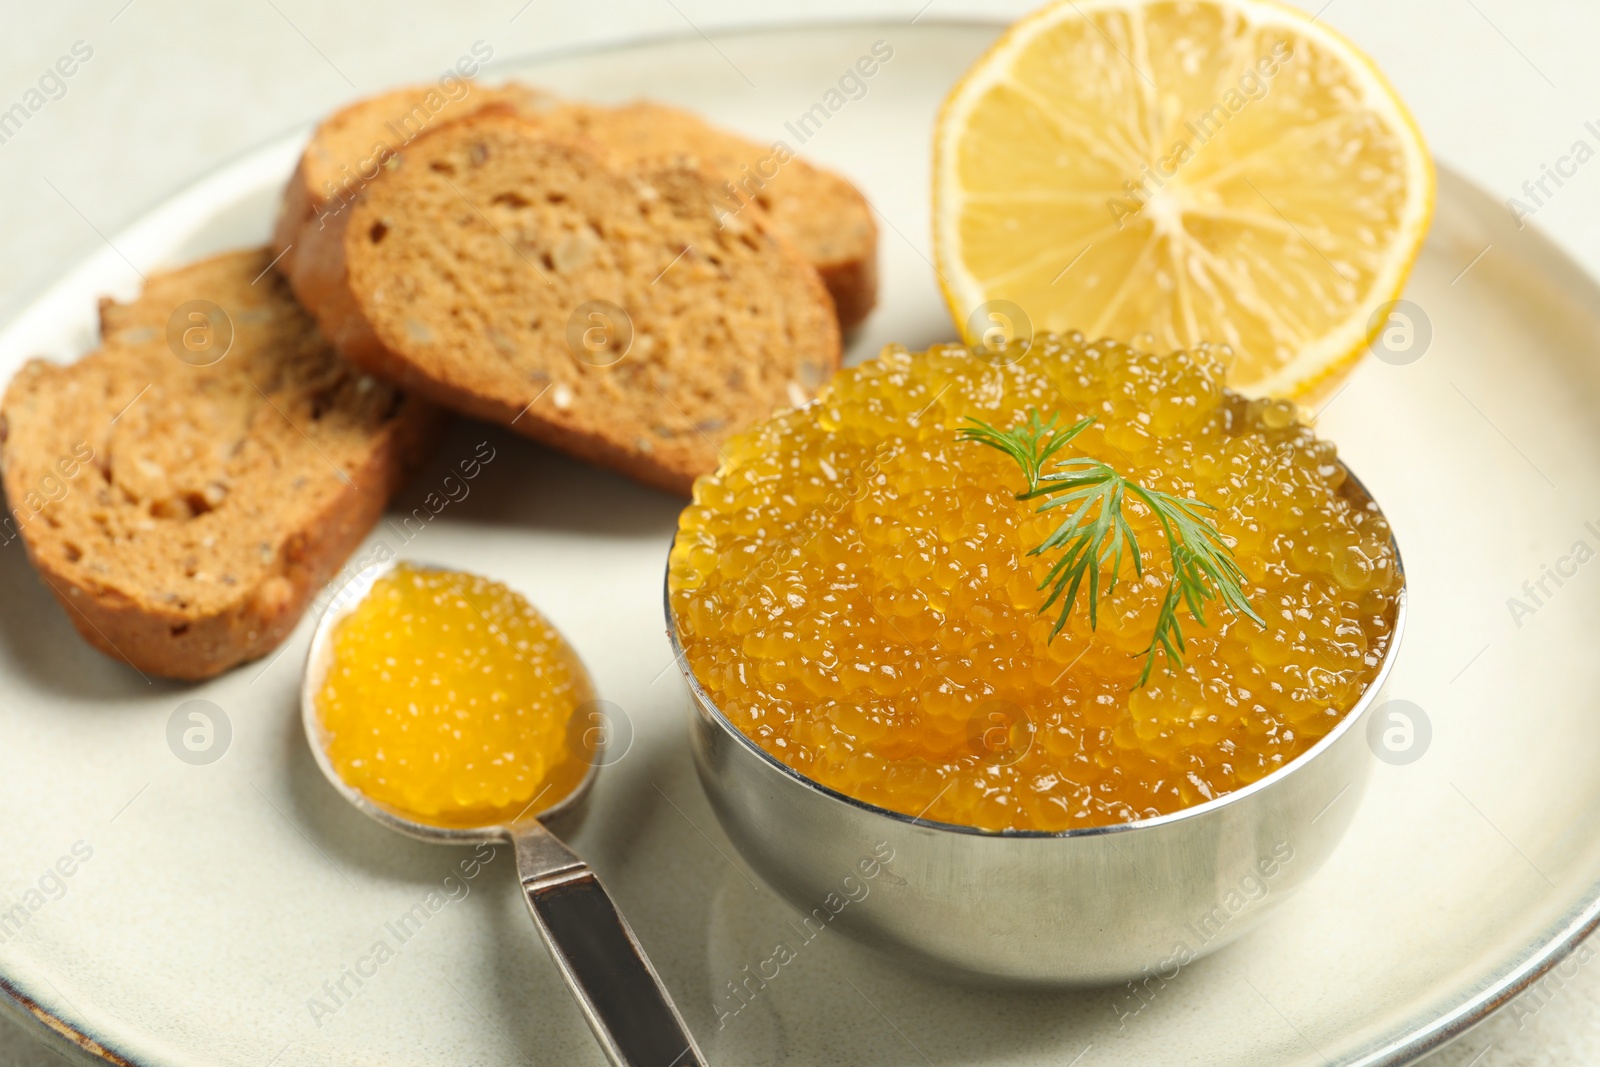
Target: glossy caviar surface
x: 449, y: 698
x: 854, y: 591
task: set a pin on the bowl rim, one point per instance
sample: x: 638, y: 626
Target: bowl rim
x: 1357, y: 712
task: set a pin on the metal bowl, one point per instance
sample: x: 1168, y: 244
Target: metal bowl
x: 1082, y: 907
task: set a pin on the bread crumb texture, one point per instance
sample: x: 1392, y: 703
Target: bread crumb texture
x: 474, y: 259
x: 826, y: 217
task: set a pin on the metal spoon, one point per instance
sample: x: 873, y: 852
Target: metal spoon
x: 605, y: 967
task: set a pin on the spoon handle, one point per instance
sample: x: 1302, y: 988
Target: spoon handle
x: 620, y: 993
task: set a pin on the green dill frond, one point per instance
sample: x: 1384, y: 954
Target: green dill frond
x: 1095, y: 535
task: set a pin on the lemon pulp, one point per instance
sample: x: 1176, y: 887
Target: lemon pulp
x: 854, y: 590
x: 449, y: 699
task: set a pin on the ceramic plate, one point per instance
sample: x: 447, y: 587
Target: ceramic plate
x: 228, y: 912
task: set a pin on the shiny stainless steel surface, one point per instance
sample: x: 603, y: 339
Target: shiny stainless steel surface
x: 1076, y: 908
x: 604, y: 965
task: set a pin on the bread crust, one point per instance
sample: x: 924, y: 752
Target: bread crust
x: 132, y: 620
x: 317, y: 276
x: 853, y: 284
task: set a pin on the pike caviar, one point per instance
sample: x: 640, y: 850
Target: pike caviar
x: 448, y: 700
x: 853, y: 589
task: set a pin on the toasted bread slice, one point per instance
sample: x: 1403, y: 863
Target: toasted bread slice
x: 351, y: 147
x: 824, y: 216
x: 185, y: 510
x: 478, y: 272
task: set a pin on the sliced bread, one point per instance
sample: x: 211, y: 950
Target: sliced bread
x: 826, y: 218
x: 480, y: 267
x: 185, y: 508
x: 352, y: 146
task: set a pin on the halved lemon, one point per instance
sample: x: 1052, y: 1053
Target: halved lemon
x: 1200, y: 170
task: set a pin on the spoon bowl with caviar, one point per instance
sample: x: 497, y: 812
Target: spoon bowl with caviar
x: 1047, y: 664
x: 444, y: 706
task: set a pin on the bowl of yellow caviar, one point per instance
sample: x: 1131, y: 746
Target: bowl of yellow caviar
x: 1040, y: 664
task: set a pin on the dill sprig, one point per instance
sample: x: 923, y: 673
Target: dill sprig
x: 1096, y: 534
